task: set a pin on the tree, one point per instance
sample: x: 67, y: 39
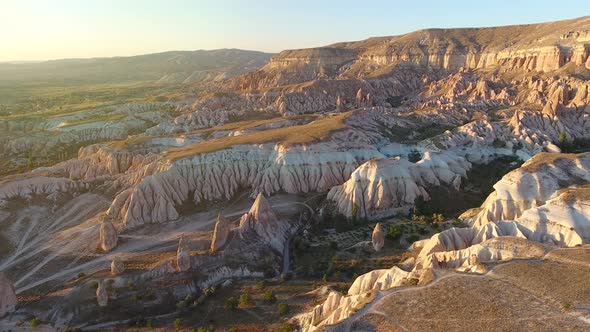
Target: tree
x: 269, y: 296
x: 283, y: 309
x: 245, y: 299
x: 287, y: 327
x: 261, y: 285
x: 231, y: 303
x: 35, y: 322
x: 178, y: 323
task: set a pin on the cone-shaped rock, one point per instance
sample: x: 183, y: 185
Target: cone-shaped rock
x: 378, y: 237
x: 108, y: 236
x: 7, y: 296
x: 221, y: 233
x: 102, y: 296
x: 117, y: 266
x: 263, y: 220
x: 183, y: 257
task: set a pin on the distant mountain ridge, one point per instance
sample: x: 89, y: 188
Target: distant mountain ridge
x: 166, y: 67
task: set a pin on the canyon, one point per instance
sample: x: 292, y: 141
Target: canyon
x: 429, y: 162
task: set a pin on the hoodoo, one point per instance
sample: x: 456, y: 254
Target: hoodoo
x: 183, y: 257
x: 108, y: 236
x: 378, y: 238
x: 8, y: 299
x: 220, y: 233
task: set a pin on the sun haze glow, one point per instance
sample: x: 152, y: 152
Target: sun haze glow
x: 38, y: 30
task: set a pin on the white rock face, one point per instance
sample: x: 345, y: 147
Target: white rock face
x: 8, y: 299
x: 267, y: 168
x: 378, y: 238
x: 383, y: 186
x: 264, y: 222
x: 117, y: 266
x: 338, y: 307
x: 532, y: 185
x: 102, y: 295
x: 492, y: 250
x: 220, y: 233
x: 108, y: 236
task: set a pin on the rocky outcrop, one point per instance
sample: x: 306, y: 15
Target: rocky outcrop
x: 102, y: 295
x: 524, y: 48
x: 183, y: 256
x: 338, y: 307
x: 220, y: 233
x: 108, y: 236
x: 117, y: 266
x: 212, y: 176
x: 8, y: 299
x: 382, y: 187
x: 491, y: 250
x: 378, y: 238
x: 262, y: 221
x: 43, y: 186
x: 532, y: 185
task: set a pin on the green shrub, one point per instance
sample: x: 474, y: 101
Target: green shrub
x: 261, y: 285
x: 81, y: 275
x: 287, y: 327
x: 231, y: 303
x: 232, y: 329
x: 269, y: 296
x: 208, y: 291
x: 283, y: 309
x: 35, y: 322
x: 245, y: 299
x: 94, y: 284
x: 178, y: 323
x: 394, y: 232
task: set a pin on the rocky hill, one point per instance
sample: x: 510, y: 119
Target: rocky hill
x: 164, y: 68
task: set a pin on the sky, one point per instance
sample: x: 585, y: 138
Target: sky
x: 53, y: 29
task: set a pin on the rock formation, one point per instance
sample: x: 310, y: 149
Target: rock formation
x: 8, y: 299
x: 383, y: 186
x: 536, y: 186
x: 262, y: 221
x: 220, y: 233
x: 117, y: 266
x: 102, y: 295
x: 378, y: 238
x: 108, y: 236
x: 218, y: 175
x: 338, y: 307
x: 183, y: 256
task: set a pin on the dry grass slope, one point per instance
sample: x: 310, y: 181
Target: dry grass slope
x: 310, y: 132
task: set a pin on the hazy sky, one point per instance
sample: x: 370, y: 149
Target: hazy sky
x: 50, y: 29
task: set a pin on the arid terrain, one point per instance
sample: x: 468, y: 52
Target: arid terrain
x: 433, y: 181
